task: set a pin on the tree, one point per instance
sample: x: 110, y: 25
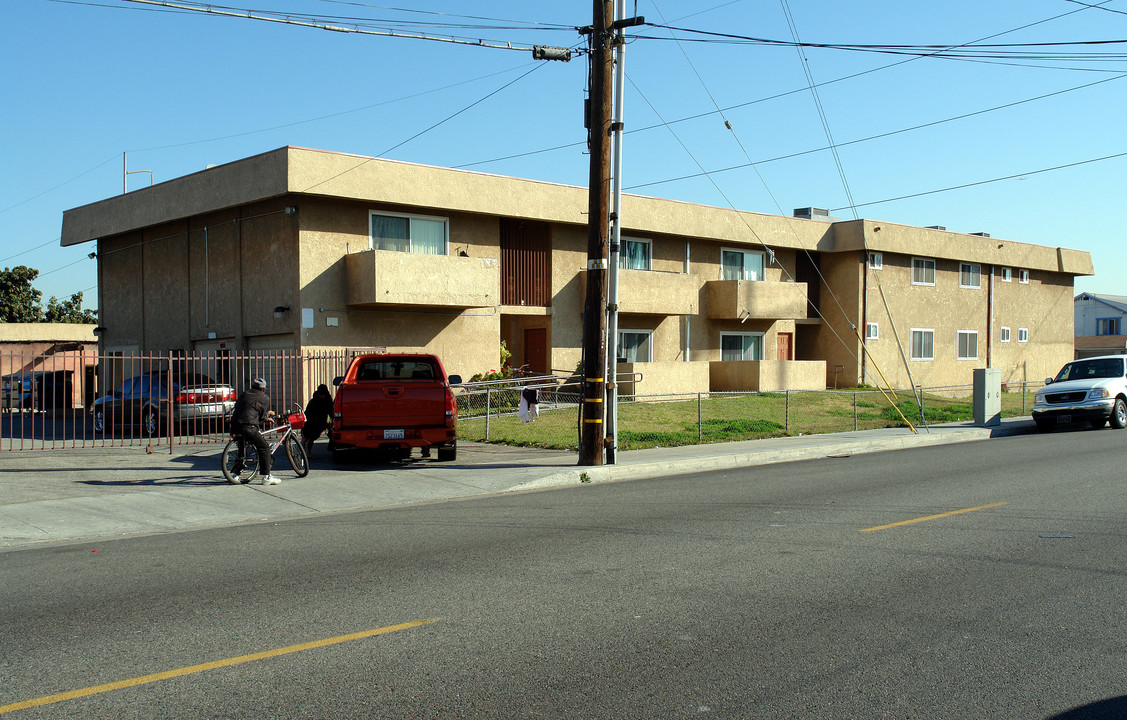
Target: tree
x: 68, y: 311
x: 19, y: 301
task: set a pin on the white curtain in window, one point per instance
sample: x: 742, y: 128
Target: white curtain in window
x: 428, y: 237
x: 742, y: 265
x: 390, y: 233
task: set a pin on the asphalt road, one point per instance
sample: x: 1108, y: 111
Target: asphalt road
x: 782, y: 591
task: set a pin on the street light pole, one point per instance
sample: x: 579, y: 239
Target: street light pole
x: 617, y: 127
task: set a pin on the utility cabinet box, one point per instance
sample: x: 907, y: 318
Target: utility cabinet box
x: 987, y: 397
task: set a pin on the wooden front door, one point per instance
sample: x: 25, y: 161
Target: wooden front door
x: 536, y: 350
x: 786, y: 346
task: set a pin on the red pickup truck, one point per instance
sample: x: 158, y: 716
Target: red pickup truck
x: 395, y: 402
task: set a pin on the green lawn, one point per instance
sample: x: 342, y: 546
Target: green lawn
x: 726, y: 418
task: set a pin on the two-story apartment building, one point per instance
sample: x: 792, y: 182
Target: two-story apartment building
x: 301, y: 249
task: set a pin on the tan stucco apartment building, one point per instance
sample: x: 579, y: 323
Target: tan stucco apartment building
x: 300, y: 249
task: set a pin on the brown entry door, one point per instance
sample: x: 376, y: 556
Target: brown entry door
x: 536, y: 350
x: 786, y: 346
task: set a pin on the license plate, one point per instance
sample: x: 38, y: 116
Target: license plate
x: 392, y: 434
x: 1065, y: 418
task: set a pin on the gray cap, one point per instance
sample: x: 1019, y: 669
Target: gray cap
x: 258, y: 384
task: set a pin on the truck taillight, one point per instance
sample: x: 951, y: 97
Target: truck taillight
x: 451, y: 409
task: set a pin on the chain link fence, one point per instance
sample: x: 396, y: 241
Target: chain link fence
x: 490, y: 412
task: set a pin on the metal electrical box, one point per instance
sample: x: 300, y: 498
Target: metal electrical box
x: 987, y: 397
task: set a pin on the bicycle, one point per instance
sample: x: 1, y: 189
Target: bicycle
x: 287, y: 438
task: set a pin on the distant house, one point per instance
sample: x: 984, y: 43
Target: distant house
x: 46, y: 365
x: 1101, y: 324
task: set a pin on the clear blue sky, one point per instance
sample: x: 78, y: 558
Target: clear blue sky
x: 86, y: 81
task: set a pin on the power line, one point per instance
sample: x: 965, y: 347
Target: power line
x: 987, y: 182
x: 25, y: 252
x: 869, y: 138
x: 331, y: 115
x: 289, y: 19
x: 426, y: 130
x: 56, y: 187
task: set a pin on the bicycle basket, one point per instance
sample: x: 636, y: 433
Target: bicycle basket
x: 296, y: 420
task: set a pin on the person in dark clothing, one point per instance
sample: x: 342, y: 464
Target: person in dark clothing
x: 318, y: 416
x: 252, y: 408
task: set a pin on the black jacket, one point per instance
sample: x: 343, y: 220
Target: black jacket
x: 250, y: 408
x: 318, y: 411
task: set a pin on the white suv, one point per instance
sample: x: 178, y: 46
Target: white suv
x: 1092, y: 389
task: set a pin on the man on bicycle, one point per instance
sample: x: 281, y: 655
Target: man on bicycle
x: 252, y: 409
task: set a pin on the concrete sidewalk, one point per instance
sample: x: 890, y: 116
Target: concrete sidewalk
x: 70, y: 495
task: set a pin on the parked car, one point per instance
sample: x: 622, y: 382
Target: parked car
x: 15, y: 392
x: 1092, y: 390
x: 39, y: 390
x: 143, y: 400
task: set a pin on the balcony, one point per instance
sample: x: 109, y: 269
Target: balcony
x: 651, y: 292
x: 384, y: 277
x: 756, y: 300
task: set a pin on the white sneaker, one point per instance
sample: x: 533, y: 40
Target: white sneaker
x: 271, y: 480
x: 236, y: 480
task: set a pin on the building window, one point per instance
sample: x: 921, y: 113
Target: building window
x: 1107, y: 326
x: 635, y: 345
x: 970, y: 275
x: 1023, y: 276
x: 876, y: 261
x: 1007, y: 274
x: 923, y: 271
x: 923, y: 344
x: 1005, y: 334
x: 636, y: 254
x: 1022, y: 335
x: 742, y: 265
x: 871, y: 331
x: 416, y: 234
x: 741, y: 346
x: 967, y: 344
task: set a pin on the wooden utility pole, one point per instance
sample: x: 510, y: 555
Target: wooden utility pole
x: 593, y: 432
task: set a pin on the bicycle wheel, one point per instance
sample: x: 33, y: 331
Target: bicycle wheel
x: 297, y: 456
x: 230, y: 457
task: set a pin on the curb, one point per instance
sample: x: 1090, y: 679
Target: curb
x: 643, y: 471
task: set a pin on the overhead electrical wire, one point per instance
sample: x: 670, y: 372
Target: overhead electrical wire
x: 188, y: 6
x: 769, y: 251
x: 878, y: 136
x: 316, y: 23
x: 1014, y: 176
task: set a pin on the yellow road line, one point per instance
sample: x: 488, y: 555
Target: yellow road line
x: 167, y: 674
x: 933, y: 517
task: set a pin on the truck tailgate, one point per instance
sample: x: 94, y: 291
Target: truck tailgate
x: 409, y: 403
